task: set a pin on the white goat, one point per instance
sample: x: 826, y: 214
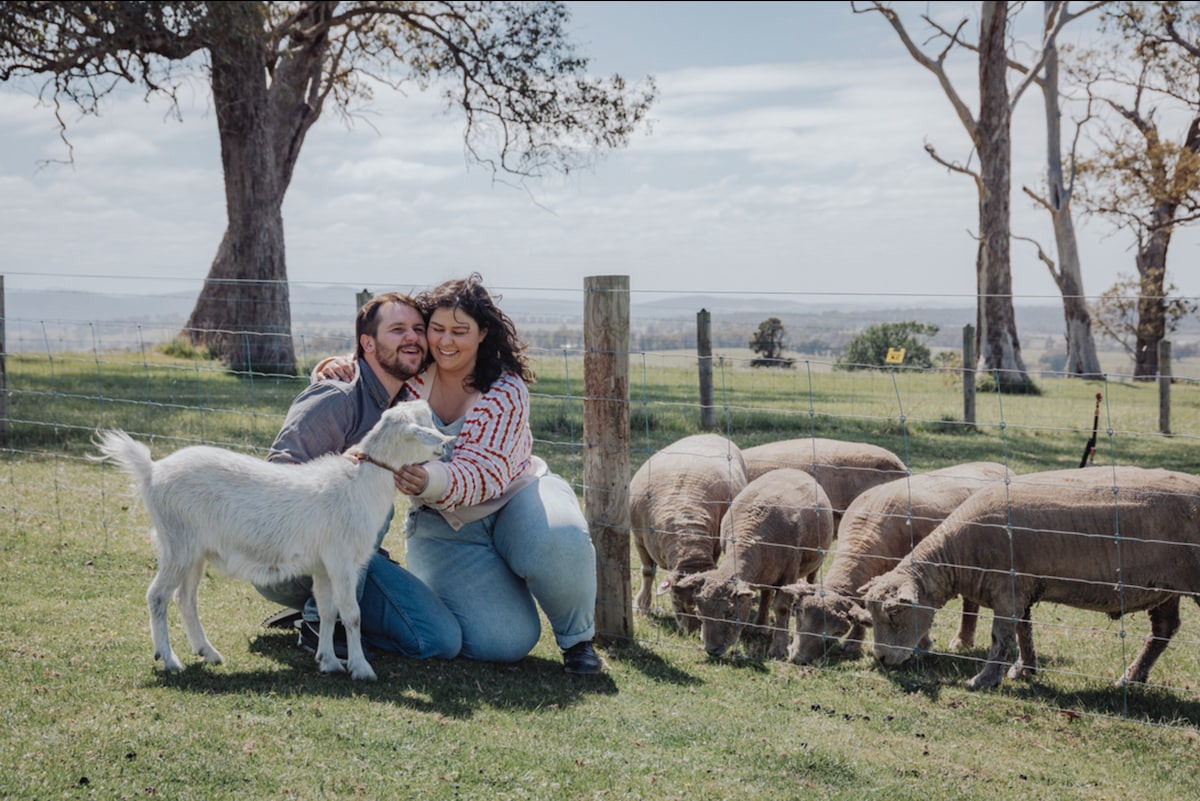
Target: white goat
x: 267, y: 522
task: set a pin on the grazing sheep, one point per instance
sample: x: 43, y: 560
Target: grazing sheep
x: 677, y: 499
x: 844, y: 469
x: 268, y: 522
x: 777, y: 529
x: 879, y: 528
x: 1114, y: 540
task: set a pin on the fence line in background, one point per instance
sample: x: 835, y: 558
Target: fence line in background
x: 174, y: 404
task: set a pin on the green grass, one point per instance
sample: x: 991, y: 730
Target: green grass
x: 88, y: 715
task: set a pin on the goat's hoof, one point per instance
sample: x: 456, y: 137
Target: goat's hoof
x: 331, y: 665
x: 171, y: 663
x: 211, y: 655
x: 363, y: 673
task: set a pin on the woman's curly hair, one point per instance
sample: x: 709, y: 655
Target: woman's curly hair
x: 502, y: 350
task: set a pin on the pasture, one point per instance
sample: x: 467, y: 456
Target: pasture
x: 87, y: 714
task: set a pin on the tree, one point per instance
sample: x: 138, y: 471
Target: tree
x: 1139, y: 177
x: 1117, y: 308
x: 530, y: 106
x: 1081, y: 357
x: 768, y: 342
x: 870, y: 348
x: 996, y: 334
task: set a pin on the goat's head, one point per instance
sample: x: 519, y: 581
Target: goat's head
x: 405, y: 434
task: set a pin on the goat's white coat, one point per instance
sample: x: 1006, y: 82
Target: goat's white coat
x: 268, y: 522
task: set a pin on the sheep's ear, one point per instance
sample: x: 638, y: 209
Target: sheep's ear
x: 744, y: 589
x: 801, y: 589
x: 861, y: 616
x: 864, y: 589
x: 688, y: 582
x: 664, y: 587
x: 902, y: 597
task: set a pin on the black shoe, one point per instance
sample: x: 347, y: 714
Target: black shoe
x: 283, y: 619
x: 581, y: 659
x: 310, y: 637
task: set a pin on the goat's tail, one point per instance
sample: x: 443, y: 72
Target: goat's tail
x: 126, y: 453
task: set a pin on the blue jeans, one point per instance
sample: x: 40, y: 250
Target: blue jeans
x: 491, y: 572
x: 399, y: 613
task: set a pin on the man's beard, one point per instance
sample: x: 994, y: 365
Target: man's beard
x: 393, y: 366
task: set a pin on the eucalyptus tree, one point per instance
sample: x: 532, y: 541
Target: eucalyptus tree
x: 997, y: 341
x: 530, y: 106
x: 1144, y: 173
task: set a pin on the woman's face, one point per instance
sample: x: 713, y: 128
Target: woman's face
x: 454, y: 338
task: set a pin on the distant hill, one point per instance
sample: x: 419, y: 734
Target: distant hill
x: 667, y: 319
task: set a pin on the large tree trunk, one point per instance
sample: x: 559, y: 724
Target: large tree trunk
x: 243, y: 314
x: 1082, y: 360
x: 1152, y: 305
x: 998, y: 344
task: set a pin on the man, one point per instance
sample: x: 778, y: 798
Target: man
x: 399, y: 613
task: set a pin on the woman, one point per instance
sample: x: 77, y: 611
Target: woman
x: 489, y: 528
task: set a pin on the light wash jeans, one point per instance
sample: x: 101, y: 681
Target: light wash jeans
x: 491, y: 572
x: 399, y: 613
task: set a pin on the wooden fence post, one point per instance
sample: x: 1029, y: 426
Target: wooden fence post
x: 1164, y: 387
x: 968, y: 359
x: 361, y: 298
x: 704, y: 357
x: 606, y: 453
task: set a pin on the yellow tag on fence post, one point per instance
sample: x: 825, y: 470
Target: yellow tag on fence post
x: 895, y: 356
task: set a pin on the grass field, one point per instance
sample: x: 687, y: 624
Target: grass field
x: 88, y: 715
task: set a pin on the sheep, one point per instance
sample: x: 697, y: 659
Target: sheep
x: 844, y: 469
x: 267, y: 522
x: 1114, y: 540
x: 879, y: 528
x: 777, y: 529
x: 677, y: 499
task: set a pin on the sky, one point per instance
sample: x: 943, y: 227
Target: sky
x: 785, y: 158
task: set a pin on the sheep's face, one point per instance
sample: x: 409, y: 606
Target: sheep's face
x: 822, y: 619
x: 900, y: 620
x: 724, y: 608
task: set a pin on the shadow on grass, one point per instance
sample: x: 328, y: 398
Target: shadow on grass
x: 1149, y: 703
x: 455, y: 688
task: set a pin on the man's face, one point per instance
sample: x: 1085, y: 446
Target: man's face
x: 399, y: 345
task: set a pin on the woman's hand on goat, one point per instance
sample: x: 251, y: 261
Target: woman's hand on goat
x: 411, y: 479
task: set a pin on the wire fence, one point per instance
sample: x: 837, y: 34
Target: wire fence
x: 68, y: 376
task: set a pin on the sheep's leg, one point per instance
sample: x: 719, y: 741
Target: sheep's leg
x: 852, y: 645
x: 186, y: 599
x: 1026, y: 664
x: 1164, y: 622
x: 764, y: 607
x: 1002, y: 637
x: 158, y: 597
x: 323, y: 594
x: 646, y: 591
x: 344, y: 595
x: 965, y: 637
x: 783, y: 613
